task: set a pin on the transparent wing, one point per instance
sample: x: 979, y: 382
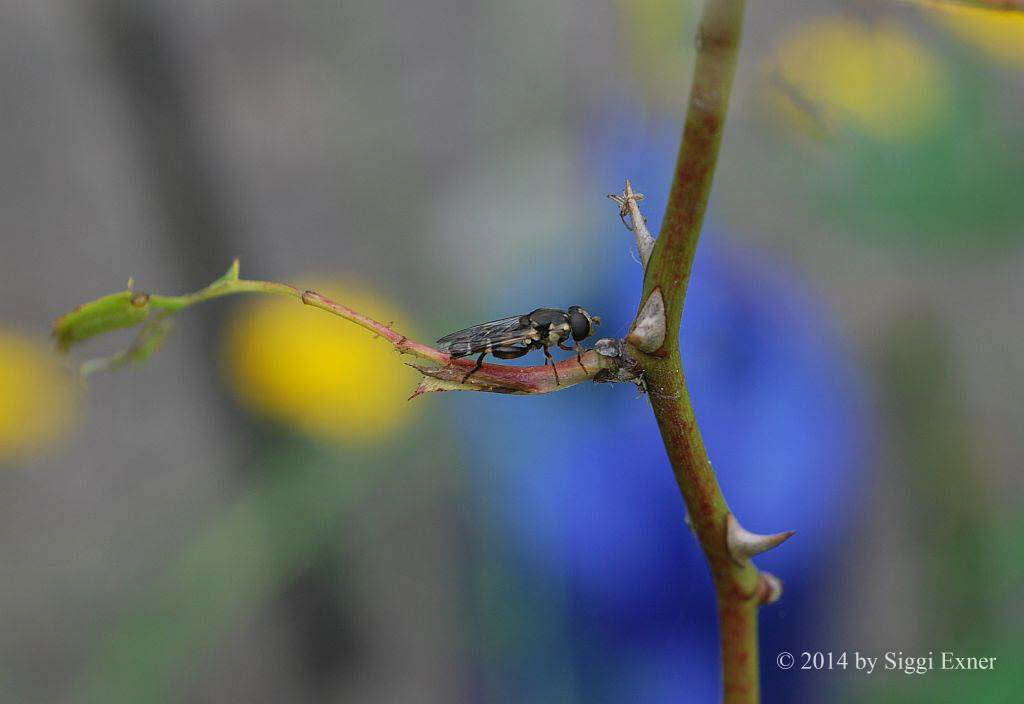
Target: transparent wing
x: 505, y: 331
x: 498, y: 327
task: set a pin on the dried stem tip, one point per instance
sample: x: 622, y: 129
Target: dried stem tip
x: 743, y: 544
x: 629, y: 211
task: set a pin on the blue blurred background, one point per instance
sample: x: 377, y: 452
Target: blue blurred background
x: 258, y: 514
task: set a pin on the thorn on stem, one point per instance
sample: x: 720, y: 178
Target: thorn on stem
x: 649, y: 328
x: 743, y: 544
x: 769, y: 588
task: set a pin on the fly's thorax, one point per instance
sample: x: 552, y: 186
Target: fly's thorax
x: 548, y: 316
x: 557, y: 333
x: 551, y: 324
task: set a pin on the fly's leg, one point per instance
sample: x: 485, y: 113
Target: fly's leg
x: 579, y: 357
x: 479, y: 363
x: 551, y: 360
x: 575, y: 348
x: 501, y: 352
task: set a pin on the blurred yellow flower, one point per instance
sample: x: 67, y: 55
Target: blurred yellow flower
x: 833, y: 72
x: 1000, y: 33
x: 317, y: 372
x: 37, y: 397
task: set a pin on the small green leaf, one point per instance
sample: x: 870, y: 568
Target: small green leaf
x: 149, y: 340
x: 118, y: 310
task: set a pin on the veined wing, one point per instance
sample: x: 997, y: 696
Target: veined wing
x: 505, y: 331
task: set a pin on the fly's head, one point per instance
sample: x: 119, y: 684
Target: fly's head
x: 582, y: 323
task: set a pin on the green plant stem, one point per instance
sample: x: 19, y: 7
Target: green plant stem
x: 736, y: 585
x: 230, y: 286
x: 222, y: 288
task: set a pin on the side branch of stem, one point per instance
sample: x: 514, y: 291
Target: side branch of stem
x: 151, y: 315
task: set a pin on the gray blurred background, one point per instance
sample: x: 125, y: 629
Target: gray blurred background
x: 433, y: 151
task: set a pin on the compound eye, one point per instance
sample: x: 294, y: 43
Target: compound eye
x: 580, y: 325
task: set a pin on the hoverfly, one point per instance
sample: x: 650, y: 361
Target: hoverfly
x: 510, y: 338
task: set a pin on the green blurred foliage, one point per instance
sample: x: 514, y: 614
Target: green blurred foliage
x: 955, y: 188
x: 295, y: 513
